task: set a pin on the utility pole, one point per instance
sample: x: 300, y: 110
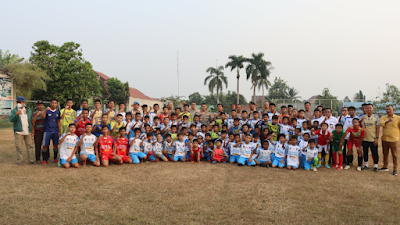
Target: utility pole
x: 177, y: 69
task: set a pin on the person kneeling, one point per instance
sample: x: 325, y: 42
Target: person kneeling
x: 247, y: 149
x: 218, y: 154
x: 264, y: 155
x: 105, y: 144
x: 68, y: 142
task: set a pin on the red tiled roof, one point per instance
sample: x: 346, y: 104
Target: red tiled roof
x: 135, y: 93
x: 102, y: 75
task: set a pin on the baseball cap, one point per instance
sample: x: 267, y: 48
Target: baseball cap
x: 136, y: 102
x: 39, y: 102
x: 20, y: 99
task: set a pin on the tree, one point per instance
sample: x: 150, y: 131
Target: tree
x: 196, y: 97
x: 216, y: 80
x: 292, y: 94
x: 230, y: 99
x: 236, y: 63
x: 278, y: 90
x: 7, y: 58
x: 69, y: 75
x: 175, y: 99
x: 327, y: 100
x: 390, y: 97
x: 119, y: 91
x: 346, y: 99
x: 27, y: 78
x: 257, y: 69
x: 359, y: 97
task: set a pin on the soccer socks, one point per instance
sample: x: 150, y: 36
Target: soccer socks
x: 55, y: 151
x: 315, y: 161
x: 340, y: 160
x: 349, y: 159
x: 45, y: 155
x: 334, y: 157
x: 360, y: 160
x: 327, y: 159
x: 319, y: 157
x: 192, y: 157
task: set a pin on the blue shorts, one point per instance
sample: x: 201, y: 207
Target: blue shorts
x: 177, y: 158
x: 293, y: 166
x: 136, y: 157
x: 277, y: 162
x: 272, y: 157
x: 169, y: 155
x: 243, y: 161
x: 307, y: 164
x: 261, y: 162
x: 302, y: 160
x: 90, y: 157
x: 234, y: 158
x: 73, y: 160
x: 48, y: 136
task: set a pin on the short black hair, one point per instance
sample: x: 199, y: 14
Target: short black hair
x: 71, y: 124
x: 311, y: 141
x: 275, y: 117
x: 84, y: 100
x: 339, y: 125
x: 97, y: 100
x: 69, y: 99
x: 122, y: 128
x: 53, y: 99
x: 88, y: 124
x: 85, y: 109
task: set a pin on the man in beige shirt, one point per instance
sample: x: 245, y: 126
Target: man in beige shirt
x: 390, y: 138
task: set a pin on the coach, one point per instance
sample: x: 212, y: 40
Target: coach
x: 21, y: 117
x: 390, y: 138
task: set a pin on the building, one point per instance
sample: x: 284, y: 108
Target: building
x: 7, y: 93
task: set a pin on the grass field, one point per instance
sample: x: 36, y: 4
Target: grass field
x: 185, y: 193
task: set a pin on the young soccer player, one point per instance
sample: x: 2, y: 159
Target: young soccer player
x: 68, y: 116
x: 230, y: 120
x: 147, y: 145
x: 84, y: 105
x: 110, y: 111
x: 244, y: 120
x: 86, y: 143
x: 280, y: 152
x: 68, y: 148
x: 219, y: 154
x: 135, y: 150
x: 311, y: 153
x: 264, y: 155
x: 293, y: 154
x: 254, y: 122
x: 96, y: 114
x: 301, y: 118
x: 285, y: 128
x: 302, y: 144
x: 236, y: 128
x: 323, y: 143
x: 81, y: 122
x: 98, y: 127
x: 121, y: 145
x: 283, y: 113
x: 158, y: 149
x: 337, y: 152
x: 52, y: 131
x: 234, y: 148
x: 168, y: 147
x: 119, y: 123
x: 355, y: 139
x: 180, y: 149
x: 208, y: 150
x: 274, y: 126
x: 246, y: 152
x: 195, y: 152
x: 105, y: 144
x: 121, y: 111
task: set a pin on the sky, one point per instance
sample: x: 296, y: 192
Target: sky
x: 343, y: 45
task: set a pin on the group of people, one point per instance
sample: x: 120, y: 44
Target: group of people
x: 288, y: 138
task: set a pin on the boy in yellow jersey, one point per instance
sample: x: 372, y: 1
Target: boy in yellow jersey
x: 68, y: 116
x: 96, y: 113
x: 117, y: 125
x: 371, y: 125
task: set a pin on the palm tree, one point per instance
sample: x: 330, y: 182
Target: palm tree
x: 257, y: 69
x: 236, y: 63
x: 293, y: 94
x: 262, y: 83
x: 216, y: 79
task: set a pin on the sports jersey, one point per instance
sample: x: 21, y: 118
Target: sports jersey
x: 348, y: 122
x: 285, y: 129
x: 152, y: 115
x: 280, y: 150
x: 169, y: 147
x: 51, y: 121
x: 105, y: 145
x: 68, y: 145
x: 356, y: 135
x: 81, y: 128
x: 247, y: 149
x: 323, y: 138
x: 198, y: 125
x: 270, y: 115
x: 111, y: 114
x: 188, y: 146
x: 304, y: 131
x: 229, y: 122
x: 96, y: 116
x: 87, y: 145
x: 369, y: 124
x: 300, y: 122
x: 180, y: 148
x: 98, y: 128
x: 243, y: 122
x: 253, y: 123
x: 235, y: 130
x: 293, y: 153
x: 121, y: 144
x: 274, y: 129
x: 311, y: 153
x: 214, y: 135
x: 69, y: 118
x: 135, y: 146
x: 302, y: 144
x: 184, y: 125
x: 132, y: 126
x: 336, y: 138
x: 147, y: 146
x: 79, y: 112
x: 234, y: 150
x: 157, y: 147
x: 264, y: 155
x: 116, y: 129
x: 319, y: 121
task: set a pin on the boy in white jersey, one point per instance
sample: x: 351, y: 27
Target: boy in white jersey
x: 168, y: 147
x: 180, y: 149
x: 302, y: 144
x: 301, y: 118
x: 231, y: 119
x: 280, y: 152
x: 86, y: 142
x: 264, y: 155
x: 158, y: 149
x: 293, y: 154
x: 68, y: 142
x: 311, y: 153
x: 246, y: 152
x: 255, y: 121
x: 235, y: 151
x: 244, y: 120
x: 135, y: 149
x: 285, y: 128
x: 147, y: 145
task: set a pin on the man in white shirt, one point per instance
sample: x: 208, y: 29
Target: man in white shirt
x: 331, y: 121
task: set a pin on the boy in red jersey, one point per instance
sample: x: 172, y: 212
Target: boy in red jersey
x: 105, y: 144
x: 121, y: 145
x: 355, y: 138
x: 195, y: 152
x: 81, y: 122
x: 323, y: 143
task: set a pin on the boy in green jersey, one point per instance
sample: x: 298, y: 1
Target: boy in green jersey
x: 335, y: 139
x: 274, y: 127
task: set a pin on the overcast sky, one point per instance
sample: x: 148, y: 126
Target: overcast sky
x: 344, y: 45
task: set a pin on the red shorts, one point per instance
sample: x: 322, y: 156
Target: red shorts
x: 124, y: 158
x: 350, y: 144
x: 107, y: 157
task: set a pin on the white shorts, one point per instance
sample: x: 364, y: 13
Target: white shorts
x: 323, y: 147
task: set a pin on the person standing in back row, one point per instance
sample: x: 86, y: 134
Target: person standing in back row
x: 390, y: 138
x: 371, y: 127
x: 21, y: 117
x: 52, y: 130
x: 38, y: 131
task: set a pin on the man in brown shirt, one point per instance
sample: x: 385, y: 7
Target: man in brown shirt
x: 205, y: 117
x: 390, y: 124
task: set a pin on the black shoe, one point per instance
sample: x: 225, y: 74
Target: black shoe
x: 384, y: 169
x: 395, y: 172
x: 376, y: 169
x: 365, y: 168
x: 239, y: 164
